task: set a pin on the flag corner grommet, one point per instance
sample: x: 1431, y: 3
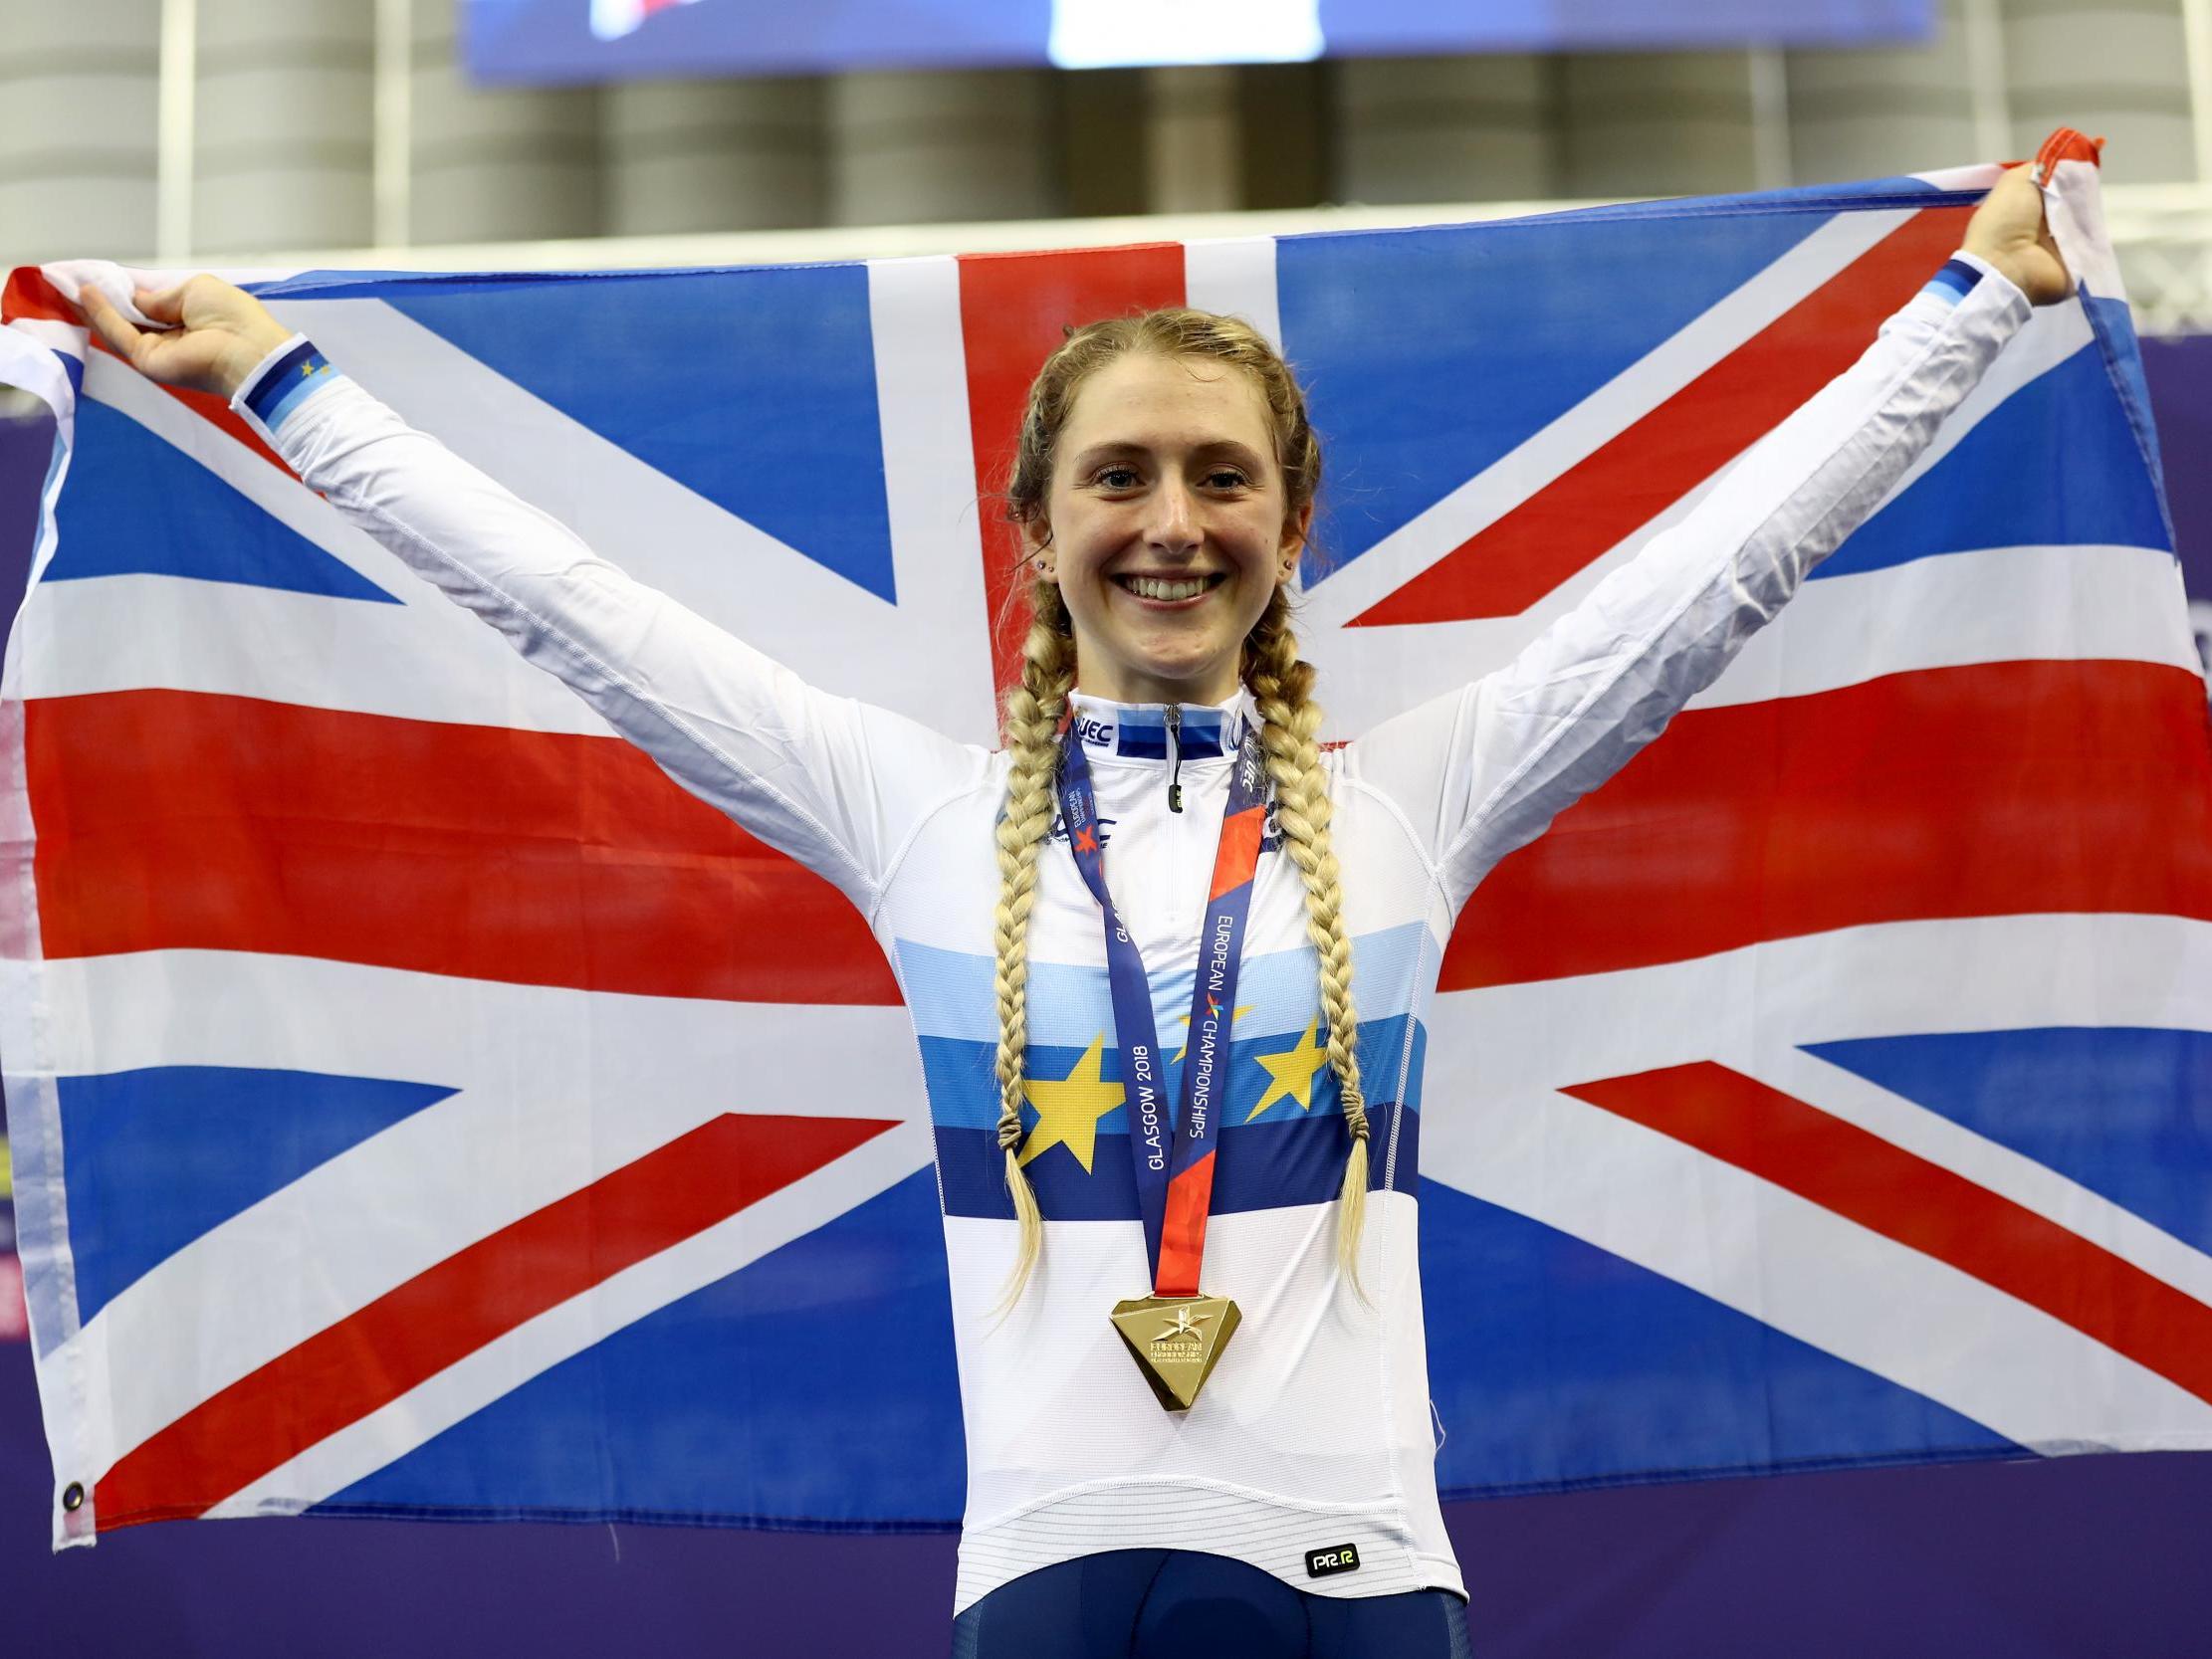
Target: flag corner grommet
x: 73, y: 1496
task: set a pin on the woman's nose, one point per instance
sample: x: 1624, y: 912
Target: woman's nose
x: 1174, y: 525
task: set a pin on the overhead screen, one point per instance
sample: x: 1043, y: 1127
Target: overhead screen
x: 567, y: 41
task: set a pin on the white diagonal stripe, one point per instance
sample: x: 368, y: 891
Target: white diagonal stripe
x: 1370, y: 675
x: 1635, y: 392
x: 240, y: 1294
x: 1820, y: 1278
x: 1989, y: 1165
x: 1984, y: 975
x: 733, y: 573
x: 536, y: 1345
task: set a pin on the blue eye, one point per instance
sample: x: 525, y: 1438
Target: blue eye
x: 1117, y: 478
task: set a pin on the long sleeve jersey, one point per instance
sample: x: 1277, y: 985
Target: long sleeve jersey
x: 1315, y: 1430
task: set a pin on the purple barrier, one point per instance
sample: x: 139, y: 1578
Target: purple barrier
x: 2034, y: 1561
x: 2038, y: 1559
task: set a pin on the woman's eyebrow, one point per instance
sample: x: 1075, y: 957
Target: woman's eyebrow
x: 1112, y: 450
x: 1230, y: 449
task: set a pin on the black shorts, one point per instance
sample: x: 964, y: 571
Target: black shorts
x: 1174, y: 1604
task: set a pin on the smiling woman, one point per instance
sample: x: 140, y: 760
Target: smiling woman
x: 1168, y: 523
x: 1163, y: 511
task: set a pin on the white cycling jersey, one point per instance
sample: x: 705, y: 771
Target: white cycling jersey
x: 1314, y: 1432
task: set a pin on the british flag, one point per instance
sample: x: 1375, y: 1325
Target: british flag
x: 422, y: 1106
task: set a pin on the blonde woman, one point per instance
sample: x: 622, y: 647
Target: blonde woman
x: 1239, y: 1461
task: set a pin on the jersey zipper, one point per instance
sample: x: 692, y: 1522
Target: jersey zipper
x: 1174, y: 758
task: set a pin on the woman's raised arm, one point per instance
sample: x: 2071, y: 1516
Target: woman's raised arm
x: 834, y: 782
x: 1484, y: 771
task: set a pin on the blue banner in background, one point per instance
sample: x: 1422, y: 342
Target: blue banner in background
x: 567, y: 41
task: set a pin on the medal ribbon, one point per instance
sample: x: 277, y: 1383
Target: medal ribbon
x: 1173, y: 1161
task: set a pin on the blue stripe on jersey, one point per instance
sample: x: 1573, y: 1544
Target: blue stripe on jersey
x: 156, y: 1157
x: 1270, y: 1164
x: 948, y: 994
x: 288, y: 382
x: 1143, y: 735
x: 1954, y: 282
x: 963, y: 1087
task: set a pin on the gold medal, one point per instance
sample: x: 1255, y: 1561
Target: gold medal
x: 1177, y: 1339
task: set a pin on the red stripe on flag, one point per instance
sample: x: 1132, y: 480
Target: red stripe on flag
x: 2065, y: 144
x: 2005, y: 788
x: 1183, y: 1231
x: 30, y: 297
x: 1015, y: 309
x: 440, y: 1316
x: 1236, y: 854
x: 1631, y: 479
x: 1924, y: 1207
x: 214, y: 410
x: 180, y: 821
x: 217, y: 412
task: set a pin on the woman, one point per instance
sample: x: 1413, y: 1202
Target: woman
x: 1284, y: 1502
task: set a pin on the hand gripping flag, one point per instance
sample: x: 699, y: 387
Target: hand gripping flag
x: 421, y: 1106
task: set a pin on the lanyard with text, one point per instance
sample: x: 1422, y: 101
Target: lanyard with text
x: 1174, y: 1161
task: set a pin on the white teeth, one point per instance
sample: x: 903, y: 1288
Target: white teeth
x: 1156, y: 587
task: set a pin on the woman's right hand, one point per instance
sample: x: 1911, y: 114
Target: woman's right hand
x: 221, y: 334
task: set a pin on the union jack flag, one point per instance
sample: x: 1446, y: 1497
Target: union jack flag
x: 422, y: 1106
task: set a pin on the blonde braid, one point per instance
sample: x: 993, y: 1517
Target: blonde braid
x: 1281, y: 685
x: 1033, y: 710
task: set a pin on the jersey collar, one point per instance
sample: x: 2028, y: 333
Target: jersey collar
x: 1139, y: 731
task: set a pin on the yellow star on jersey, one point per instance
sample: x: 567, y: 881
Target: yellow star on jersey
x: 1293, y: 1072
x: 1237, y: 1013
x: 1068, y: 1110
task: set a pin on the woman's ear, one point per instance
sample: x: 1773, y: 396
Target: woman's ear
x: 1295, y: 529
x: 1036, y: 547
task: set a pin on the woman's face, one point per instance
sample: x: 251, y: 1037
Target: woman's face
x: 1168, y: 527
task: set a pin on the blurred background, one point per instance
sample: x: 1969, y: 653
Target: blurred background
x: 238, y: 131
x: 281, y: 134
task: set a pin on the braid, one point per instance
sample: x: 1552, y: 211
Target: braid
x: 1033, y: 710
x: 1281, y: 685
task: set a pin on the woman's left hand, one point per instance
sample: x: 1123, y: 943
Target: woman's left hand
x: 2009, y: 231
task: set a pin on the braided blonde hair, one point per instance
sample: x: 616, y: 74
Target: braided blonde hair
x: 1280, y: 681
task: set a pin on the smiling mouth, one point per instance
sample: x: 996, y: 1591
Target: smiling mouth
x: 1171, y: 589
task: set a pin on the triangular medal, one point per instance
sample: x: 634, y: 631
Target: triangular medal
x: 1177, y: 1339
